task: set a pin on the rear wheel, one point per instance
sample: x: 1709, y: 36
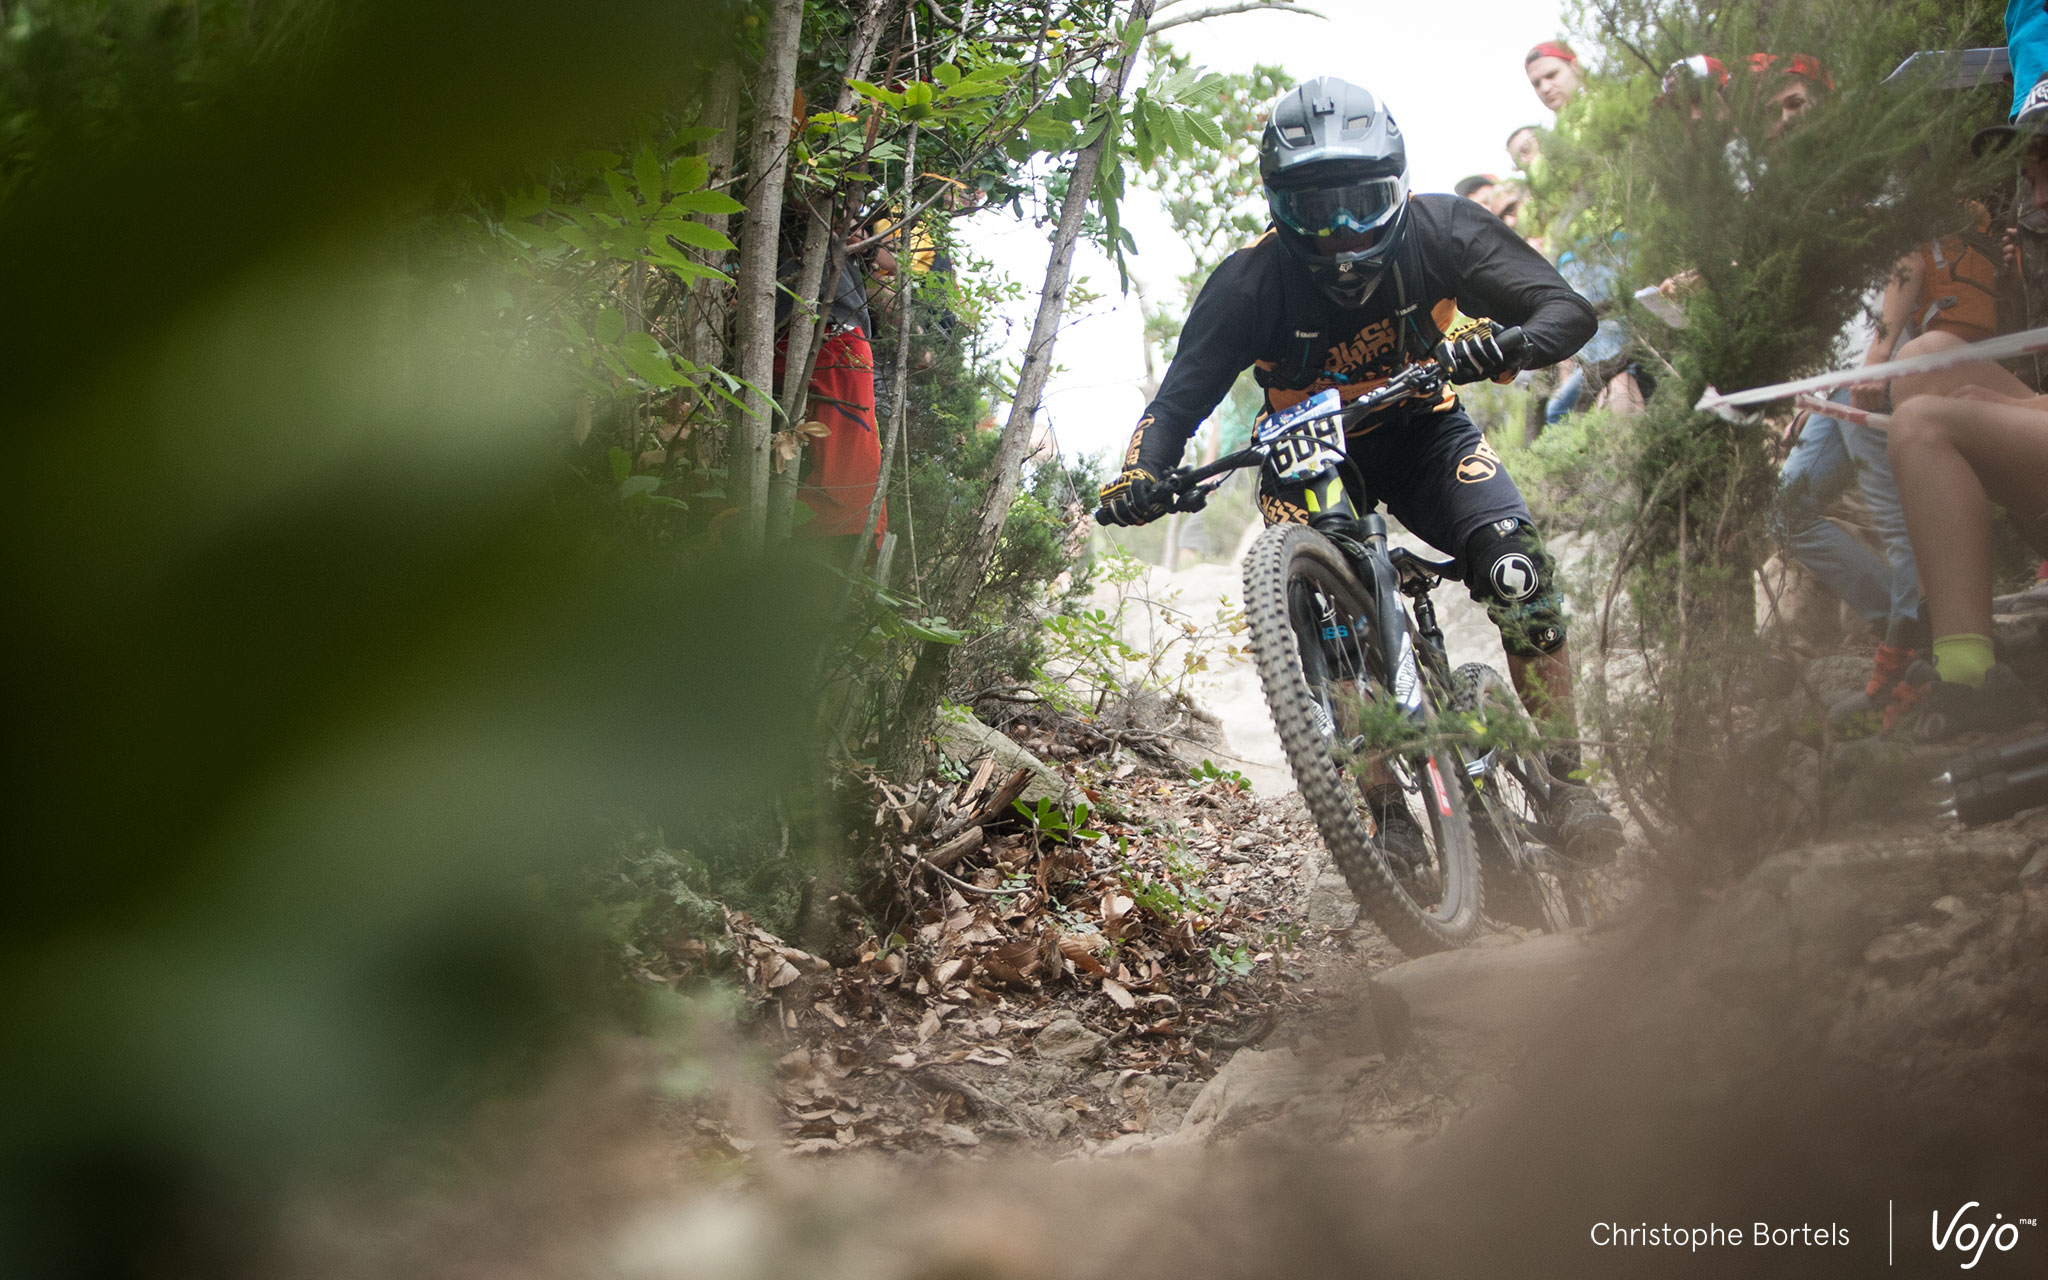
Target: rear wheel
x: 1311, y: 623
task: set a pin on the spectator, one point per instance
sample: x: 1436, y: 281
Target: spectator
x: 1504, y: 200
x: 1960, y: 440
x: 1477, y: 188
x: 1954, y: 456
x: 1793, y: 85
x: 1553, y: 71
x: 842, y: 468
x: 1693, y: 84
x: 1523, y: 146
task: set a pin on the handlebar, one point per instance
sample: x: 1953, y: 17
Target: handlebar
x: 1189, y: 487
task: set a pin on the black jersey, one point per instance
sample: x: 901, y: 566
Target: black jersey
x: 1260, y: 308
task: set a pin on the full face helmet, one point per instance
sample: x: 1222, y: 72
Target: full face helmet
x: 1336, y: 176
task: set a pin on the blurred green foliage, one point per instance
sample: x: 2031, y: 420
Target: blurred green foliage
x: 320, y: 672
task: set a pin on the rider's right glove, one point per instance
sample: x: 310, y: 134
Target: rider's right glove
x: 1134, y: 497
x: 1477, y: 357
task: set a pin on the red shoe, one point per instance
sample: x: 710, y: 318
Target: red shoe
x: 1860, y: 711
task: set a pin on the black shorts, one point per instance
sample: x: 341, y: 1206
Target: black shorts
x: 1435, y: 473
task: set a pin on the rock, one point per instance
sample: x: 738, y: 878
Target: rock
x: 1243, y: 842
x: 1329, y: 904
x: 966, y: 741
x: 1826, y: 681
x: 1053, y: 1119
x: 1256, y: 1084
x: 1064, y: 1039
x: 2037, y: 866
x: 1908, y: 953
x: 1484, y: 1005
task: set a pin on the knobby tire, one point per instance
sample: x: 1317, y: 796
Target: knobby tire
x: 1284, y: 554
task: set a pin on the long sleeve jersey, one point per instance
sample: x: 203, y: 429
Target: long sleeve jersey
x: 1261, y: 308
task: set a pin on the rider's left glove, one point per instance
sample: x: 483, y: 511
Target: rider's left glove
x: 1475, y: 358
x: 1134, y: 497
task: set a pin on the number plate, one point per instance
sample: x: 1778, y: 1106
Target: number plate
x: 1305, y: 440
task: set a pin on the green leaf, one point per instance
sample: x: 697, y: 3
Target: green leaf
x: 647, y: 175
x: 695, y: 234
x: 622, y: 464
x: 578, y: 238
x: 622, y: 197
x: 633, y: 485
x: 1206, y: 127
x: 703, y: 202
x: 649, y: 362
x: 688, y: 173
x: 946, y: 74
x: 611, y: 325
x: 875, y: 93
x: 599, y: 160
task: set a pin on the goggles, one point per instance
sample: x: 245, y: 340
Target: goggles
x: 1351, y: 208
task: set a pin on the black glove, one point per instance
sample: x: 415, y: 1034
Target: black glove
x: 1134, y: 497
x: 1482, y: 354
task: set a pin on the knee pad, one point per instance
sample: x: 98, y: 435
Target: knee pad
x: 1507, y: 571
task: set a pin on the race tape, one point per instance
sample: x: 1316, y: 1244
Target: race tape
x: 2003, y: 347
x: 1844, y: 412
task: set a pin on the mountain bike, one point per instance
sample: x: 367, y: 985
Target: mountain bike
x: 1357, y: 687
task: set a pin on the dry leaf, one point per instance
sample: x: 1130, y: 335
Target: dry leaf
x: 815, y: 430
x: 1115, y: 991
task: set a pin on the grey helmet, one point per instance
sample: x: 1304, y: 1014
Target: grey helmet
x: 1336, y: 175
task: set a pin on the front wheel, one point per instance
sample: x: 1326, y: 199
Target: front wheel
x: 1393, y: 816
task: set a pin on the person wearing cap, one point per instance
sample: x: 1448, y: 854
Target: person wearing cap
x: 1553, y: 71
x: 1792, y: 84
x: 1477, y: 188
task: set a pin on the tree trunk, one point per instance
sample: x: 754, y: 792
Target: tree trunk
x: 753, y: 427
x: 804, y: 335
x: 906, y: 289
x: 904, y: 753
x: 817, y: 282
x: 704, y: 327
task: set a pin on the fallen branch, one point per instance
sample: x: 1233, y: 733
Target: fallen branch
x: 955, y: 849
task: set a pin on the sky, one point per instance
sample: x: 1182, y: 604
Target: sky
x: 1449, y: 70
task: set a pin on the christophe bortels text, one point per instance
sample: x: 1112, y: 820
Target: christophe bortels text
x: 1714, y: 1236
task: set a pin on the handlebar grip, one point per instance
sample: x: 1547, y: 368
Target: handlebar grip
x: 1514, y: 344
x: 1102, y: 515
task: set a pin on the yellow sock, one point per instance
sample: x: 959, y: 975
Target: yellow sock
x: 1962, y: 659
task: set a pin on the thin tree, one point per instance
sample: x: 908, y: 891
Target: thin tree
x: 753, y: 425
x: 904, y: 752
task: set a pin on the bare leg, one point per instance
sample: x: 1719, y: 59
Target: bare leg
x: 1940, y: 447
x: 1545, y: 686
x: 1983, y: 373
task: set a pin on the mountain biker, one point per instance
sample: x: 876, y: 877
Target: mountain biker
x: 1355, y: 280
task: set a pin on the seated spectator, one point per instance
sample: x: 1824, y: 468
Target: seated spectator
x: 1553, y: 71
x: 1961, y: 439
x: 1954, y: 456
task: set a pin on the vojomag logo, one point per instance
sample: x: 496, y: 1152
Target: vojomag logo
x: 1968, y: 1237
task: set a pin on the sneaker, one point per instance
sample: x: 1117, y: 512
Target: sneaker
x: 1930, y: 709
x: 1865, y: 711
x: 1590, y: 831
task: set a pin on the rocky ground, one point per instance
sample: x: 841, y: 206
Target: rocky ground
x: 1162, y: 1044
